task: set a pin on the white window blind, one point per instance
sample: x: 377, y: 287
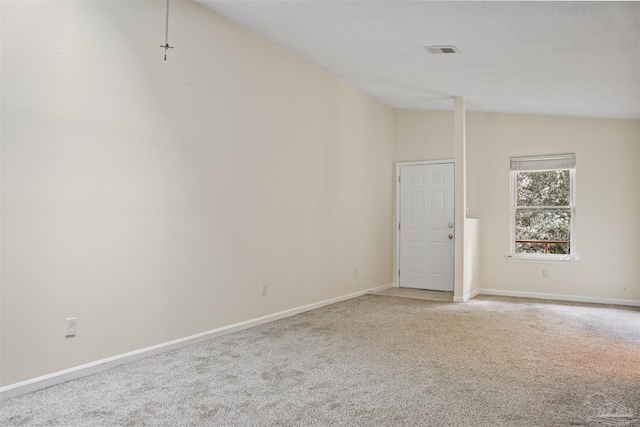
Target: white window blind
x: 543, y: 163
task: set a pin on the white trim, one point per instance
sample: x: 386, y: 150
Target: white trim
x: 59, y: 377
x: 396, y: 267
x: 425, y: 162
x: 558, y: 297
x: 543, y: 260
x: 467, y: 297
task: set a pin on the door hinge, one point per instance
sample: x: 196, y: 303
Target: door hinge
x: 398, y: 226
x: 398, y: 273
x: 399, y: 179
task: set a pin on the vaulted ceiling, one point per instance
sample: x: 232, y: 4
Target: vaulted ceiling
x: 552, y: 58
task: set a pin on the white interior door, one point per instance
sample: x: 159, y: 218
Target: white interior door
x: 426, y: 249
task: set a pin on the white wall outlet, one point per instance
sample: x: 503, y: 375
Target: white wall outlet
x: 545, y: 273
x: 264, y: 290
x: 70, y: 327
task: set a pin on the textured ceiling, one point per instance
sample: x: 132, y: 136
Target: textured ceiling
x: 553, y: 58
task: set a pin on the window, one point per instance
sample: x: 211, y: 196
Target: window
x: 543, y: 207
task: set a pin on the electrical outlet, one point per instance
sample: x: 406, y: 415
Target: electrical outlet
x: 70, y: 328
x: 264, y: 290
x: 545, y: 273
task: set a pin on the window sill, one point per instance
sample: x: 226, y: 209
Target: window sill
x: 542, y: 260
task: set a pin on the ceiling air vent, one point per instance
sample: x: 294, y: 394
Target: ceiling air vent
x: 442, y: 49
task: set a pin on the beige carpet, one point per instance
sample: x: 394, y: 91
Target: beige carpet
x: 376, y: 360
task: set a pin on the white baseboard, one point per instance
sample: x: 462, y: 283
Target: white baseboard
x: 467, y: 297
x: 557, y: 297
x: 59, y: 377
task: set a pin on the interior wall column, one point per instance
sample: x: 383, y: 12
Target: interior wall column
x: 460, y: 142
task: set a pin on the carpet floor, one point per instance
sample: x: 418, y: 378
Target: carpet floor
x: 376, y: 361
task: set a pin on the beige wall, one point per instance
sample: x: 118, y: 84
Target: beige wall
x: 423, y: 135
x: 607, y: 196
x: 607, y: 203
x: 152, y: 199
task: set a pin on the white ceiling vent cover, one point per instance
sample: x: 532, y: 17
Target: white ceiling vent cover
x: 442, y: 49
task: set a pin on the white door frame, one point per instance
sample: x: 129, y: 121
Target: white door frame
x: 396, y: 267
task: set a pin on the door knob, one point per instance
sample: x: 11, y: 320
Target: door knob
x: 450, y: 236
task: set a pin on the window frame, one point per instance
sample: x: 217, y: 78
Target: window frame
x: 571, y: 256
